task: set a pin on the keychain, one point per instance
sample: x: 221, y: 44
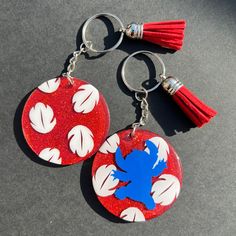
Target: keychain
x: 136, y: 174
x: 65, y: 120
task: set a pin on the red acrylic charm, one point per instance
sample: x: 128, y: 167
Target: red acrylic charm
x: 138, y: 178
x: 64, y: 123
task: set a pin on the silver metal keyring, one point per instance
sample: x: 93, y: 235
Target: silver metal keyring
x: 88, y: 43
x: 162, y: 74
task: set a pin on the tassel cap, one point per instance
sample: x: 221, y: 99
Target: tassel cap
x: 134, y: 31
x: 171, y: 85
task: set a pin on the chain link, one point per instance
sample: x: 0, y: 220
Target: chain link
x: 144, y: 112
x: 71, y: 67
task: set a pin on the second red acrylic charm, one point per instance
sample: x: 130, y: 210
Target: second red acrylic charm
x: 137, y: 178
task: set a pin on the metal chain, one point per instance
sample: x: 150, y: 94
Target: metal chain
x: 71, y: 67
x: 144, y: 112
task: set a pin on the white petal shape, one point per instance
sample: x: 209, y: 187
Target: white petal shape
x: 132, y: 214
x: 50, y: 86
x: 165, y: 190
x: 51, y: 155
x: 81, y: 140
x: 110, y: 145
x: 163, y: 149
x: 103, y: 182
x: 85, y: 99
x: 42, y: 118
x: 177, y: 156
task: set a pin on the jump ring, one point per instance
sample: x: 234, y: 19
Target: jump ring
x: 144, y: 92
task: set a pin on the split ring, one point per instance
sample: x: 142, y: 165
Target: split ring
x: 88, y: 43
x: 162, y: 74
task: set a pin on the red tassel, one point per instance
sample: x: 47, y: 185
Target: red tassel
x: 192, y: 106
x: 168, y: 34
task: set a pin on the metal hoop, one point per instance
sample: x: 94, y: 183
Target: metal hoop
x: 161, y: 75
x: 88, y: 43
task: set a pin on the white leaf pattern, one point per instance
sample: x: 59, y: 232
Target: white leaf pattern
x: 177, y: 156
x: 165, y: 190
x: 103, y: 182
x: 163, y: 149
x: 132, y: 214
x: 110, y: 145
x: 42, y: 118
x: 50, y: 86
x: 85, y: 99
x: 81, y: 140
x: 51, y: 154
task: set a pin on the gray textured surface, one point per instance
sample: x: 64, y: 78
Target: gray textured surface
x: 37, y: 36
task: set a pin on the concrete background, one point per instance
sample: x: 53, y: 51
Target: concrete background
x: 37, y: 37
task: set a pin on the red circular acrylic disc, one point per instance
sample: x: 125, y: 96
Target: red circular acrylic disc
x: 138, y: 178
x: 63, y: 123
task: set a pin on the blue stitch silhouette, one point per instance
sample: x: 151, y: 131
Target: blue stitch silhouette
x: 137, y: 169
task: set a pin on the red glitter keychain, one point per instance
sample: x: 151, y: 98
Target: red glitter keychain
x: 136, y: 174
x: 65, y: 120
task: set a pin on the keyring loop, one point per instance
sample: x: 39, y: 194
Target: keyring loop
x: 88, y: 43
x: 162, y: 74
